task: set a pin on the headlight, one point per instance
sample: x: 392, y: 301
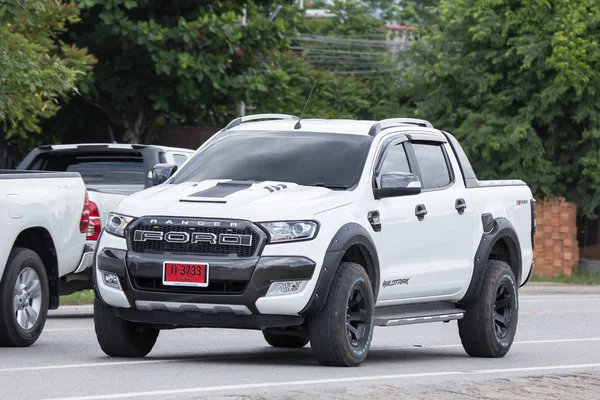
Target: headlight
x: 290, y: 231
x: 116, y: 224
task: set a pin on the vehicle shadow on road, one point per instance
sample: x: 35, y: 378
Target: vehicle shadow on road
x: 304, y: 357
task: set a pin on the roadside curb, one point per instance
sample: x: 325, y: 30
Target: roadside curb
x: 540, y: 288
x: 82, y: 311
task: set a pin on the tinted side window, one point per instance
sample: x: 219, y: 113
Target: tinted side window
x: 433, y: 166
x: 395, y: 160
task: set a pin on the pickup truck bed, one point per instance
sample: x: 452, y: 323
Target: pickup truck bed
x: 44, y: 218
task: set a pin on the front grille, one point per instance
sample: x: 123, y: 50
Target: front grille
x: 214, y: 287
x: 161, y: 246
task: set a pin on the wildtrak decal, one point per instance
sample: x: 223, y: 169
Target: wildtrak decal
x: 395, y: 282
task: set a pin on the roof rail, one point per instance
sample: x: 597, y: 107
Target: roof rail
x: 254, y: 117
x: 393, y: 122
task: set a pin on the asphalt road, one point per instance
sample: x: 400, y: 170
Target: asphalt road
x: 556, y: 355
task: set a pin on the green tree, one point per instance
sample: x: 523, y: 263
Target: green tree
x: 176, y: 61
x: 354, y: 43
x: 518, y: 84
x: 289, y: 80
x: 36, y: 69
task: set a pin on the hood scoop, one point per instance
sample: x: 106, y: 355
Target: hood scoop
x: 275, y: 188
x: 217, y: 193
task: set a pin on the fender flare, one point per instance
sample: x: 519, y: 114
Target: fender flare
x: 495, y: 229
x: 347, y: 236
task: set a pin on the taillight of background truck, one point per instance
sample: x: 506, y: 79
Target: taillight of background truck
x: 84, y: 222
x: 533, y: 223
x: 94, y: 228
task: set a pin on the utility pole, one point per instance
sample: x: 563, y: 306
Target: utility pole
x: 241, y: 104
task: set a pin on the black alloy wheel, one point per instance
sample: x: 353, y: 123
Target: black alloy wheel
x: 356, y: 320
x: 503, y: 306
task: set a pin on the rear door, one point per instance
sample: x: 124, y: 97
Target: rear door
x: 449, y: 215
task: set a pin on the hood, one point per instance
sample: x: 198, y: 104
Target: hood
x: 234, y: 199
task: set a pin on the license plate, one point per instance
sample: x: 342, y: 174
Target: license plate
x: 185, y: 274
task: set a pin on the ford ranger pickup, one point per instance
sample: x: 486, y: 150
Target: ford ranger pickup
x: 317, y: 231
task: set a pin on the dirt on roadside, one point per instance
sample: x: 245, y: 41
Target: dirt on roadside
x: 580, y: 386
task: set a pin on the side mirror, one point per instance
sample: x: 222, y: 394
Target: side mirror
x: 396, y: 184
x: 161, y: 172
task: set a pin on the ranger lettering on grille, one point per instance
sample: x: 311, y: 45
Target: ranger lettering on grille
x: 194, y: 237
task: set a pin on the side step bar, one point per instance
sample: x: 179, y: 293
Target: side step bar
x: 417, y: 314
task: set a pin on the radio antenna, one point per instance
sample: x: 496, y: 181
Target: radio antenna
x: 112, y: 136
x: 298, y: 126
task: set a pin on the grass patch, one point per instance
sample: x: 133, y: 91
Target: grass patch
x: 84, y: 297
x: 580, y: 277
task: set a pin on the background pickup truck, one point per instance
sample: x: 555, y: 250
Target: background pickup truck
x: 110, y: 171
x: 44, y: 219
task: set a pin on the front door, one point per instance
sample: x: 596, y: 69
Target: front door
x: 404, y: 237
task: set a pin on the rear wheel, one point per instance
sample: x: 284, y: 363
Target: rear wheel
x: 341, y: 333
x: 120, y: 338
x: 490, y: 322
x: 24, y: 296
x: 285, y: 338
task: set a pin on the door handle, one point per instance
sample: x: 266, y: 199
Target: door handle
x: 460, y: 205
x: 420, y: 211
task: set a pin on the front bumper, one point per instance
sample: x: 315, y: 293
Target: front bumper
x: 235, y: 285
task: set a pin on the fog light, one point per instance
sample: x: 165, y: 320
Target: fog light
x: 111, y: 280
x: 287, y: 287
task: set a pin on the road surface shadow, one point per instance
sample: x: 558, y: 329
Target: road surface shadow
x: 304, y: 357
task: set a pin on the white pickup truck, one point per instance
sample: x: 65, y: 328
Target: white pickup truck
x: 317, y: 230
x: 44, y: 219
x: 111, y: 172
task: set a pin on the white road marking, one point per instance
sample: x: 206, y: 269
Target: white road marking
x: 169, y: 360
x: 559, y: 312
x: 441, y: 346
x: 67, y: 329
x: 524, y: 299
x: 327, y: 381
x: 89, y: 365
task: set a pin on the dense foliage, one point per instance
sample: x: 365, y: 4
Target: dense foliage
x: 518, y: 83
x: 36, y: 69
x: 175, y: 61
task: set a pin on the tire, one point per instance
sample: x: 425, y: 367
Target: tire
x: 285, y: 339
x: 487, y: 329
x: 332, y: 341
x: 120, y: 338
x: 24, y: 296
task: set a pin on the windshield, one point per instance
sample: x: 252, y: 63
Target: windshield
x: 327, y: 159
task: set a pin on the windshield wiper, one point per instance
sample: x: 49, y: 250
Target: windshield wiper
x: 334, y: 186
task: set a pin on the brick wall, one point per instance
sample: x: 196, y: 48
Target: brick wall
x: 556, y: 250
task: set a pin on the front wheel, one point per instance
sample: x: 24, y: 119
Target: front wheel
x: 24, y: 296
x: 490, y: 322
x: 341, y: 333
x: 120, y: 338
